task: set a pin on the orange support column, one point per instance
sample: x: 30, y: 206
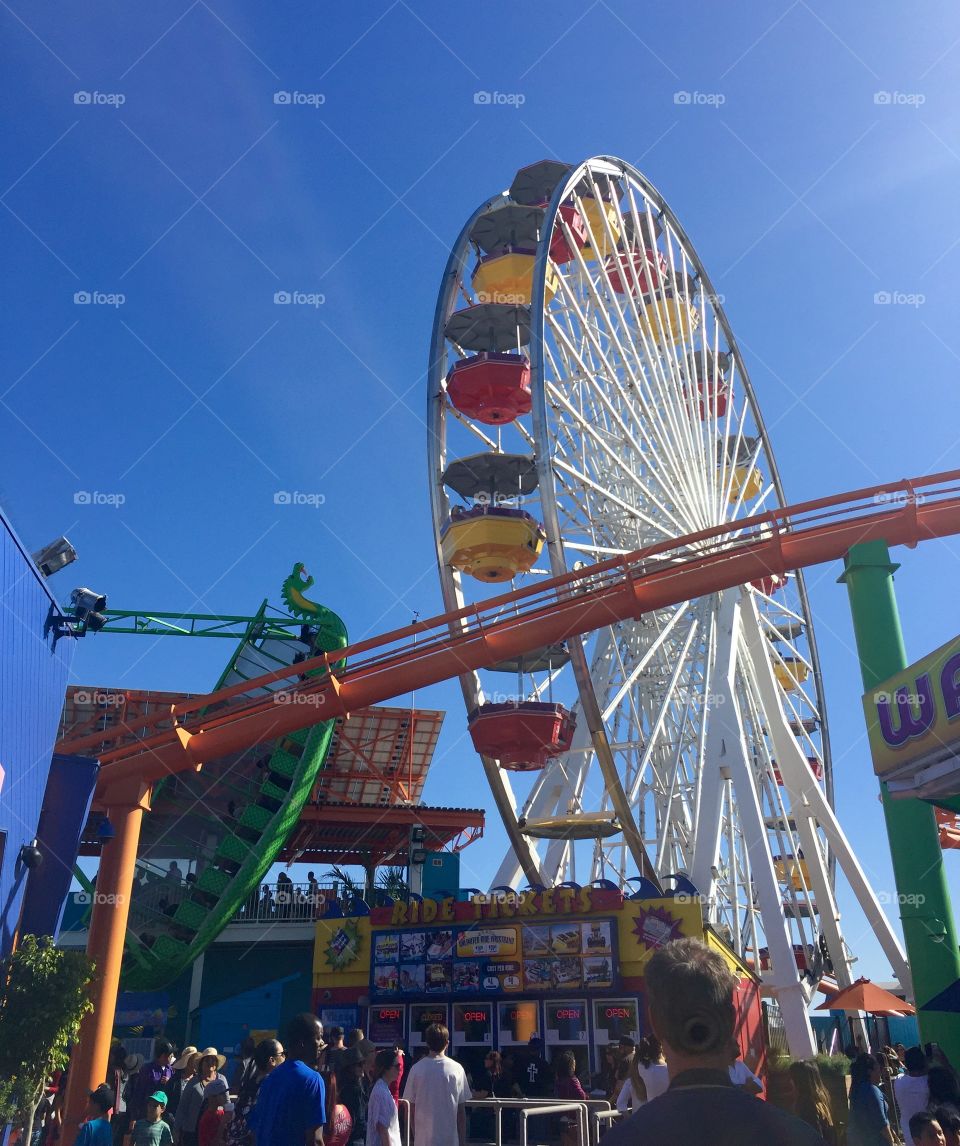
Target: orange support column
x: 108, y: 928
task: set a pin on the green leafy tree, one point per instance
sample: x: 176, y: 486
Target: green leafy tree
x: 43, y: 996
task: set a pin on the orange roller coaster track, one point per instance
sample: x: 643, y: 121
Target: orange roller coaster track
x: 475, y: 637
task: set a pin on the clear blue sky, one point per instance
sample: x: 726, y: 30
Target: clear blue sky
x: 198, y: 197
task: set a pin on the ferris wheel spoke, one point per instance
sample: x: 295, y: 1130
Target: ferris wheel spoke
x: 608, y: 372
x: 681, y: 408
x: 623, y: 466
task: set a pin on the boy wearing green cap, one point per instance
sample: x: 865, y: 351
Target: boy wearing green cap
x: 152, y: 1130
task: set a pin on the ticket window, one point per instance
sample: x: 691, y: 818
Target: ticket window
x: 517, y: 1023
x: 385, y: 1026
x: 472, y: 1034
x: 565, y: 1029
x: 614, y: 1019
x: 423, y: 1015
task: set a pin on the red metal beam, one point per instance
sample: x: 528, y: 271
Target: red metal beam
x: 550, y: 611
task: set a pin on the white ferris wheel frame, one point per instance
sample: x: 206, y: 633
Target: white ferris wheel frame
x: 728, y: 801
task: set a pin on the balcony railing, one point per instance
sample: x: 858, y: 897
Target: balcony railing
x: 271, y: 903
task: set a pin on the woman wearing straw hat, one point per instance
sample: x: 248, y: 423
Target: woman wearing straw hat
x: 206, y: 1066
x: 182, y: 1076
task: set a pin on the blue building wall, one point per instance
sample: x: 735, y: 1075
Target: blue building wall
x: 33, y: 680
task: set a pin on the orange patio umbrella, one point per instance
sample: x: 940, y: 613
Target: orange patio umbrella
x: 866, y: 996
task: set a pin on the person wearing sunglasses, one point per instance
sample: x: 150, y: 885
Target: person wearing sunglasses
x: 267, y: 1056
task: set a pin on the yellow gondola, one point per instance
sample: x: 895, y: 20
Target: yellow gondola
x: 670, y: 314
x: 792, y: 871
x: 509, y: 279
x: 791, y: 674
x: 595, y: 210
x: 492, y: 544
x: 751, y: 481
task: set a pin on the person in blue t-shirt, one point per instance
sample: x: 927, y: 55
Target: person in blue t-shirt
x: 291, y: 1105
x: 96, y: 1130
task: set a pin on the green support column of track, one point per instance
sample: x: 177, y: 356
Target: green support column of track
x: 928, y: 928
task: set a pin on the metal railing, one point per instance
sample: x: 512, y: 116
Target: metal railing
x: 591, y: 1113
x: 270, y: 903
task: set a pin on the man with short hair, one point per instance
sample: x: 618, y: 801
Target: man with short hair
x: 335, y: 1048
x: 291, y: 1104
x: 537, y: 1073
x: 152, y: 1076
x: 925, y: 1130
x: 912, y: 1090
x: 690, y: 991
x: 437, y: 1091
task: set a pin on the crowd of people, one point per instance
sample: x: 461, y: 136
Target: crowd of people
x: 682, y: 1081
x: 915, y: 1089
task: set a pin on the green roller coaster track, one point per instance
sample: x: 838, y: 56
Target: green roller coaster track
x: 234, y: 816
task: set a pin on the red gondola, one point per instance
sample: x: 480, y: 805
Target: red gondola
x: 492, y: 388
x: 521, y: 735
x: 650, y: 267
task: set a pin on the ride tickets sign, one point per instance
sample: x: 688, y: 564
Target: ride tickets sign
x: 488, y: 942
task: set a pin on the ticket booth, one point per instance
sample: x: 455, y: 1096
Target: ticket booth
x: 472, y: 1034
x: 565, y: 1029
x: 614, y: 1019
x: 386, y: 1027
x: 423, y: 1015
x: 565, y: 964
x: 517, y: 1023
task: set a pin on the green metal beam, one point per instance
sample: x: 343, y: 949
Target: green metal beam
x: 139, y: 622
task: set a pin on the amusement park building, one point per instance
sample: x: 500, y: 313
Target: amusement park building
x: 43, y: 797
x: 565, y: 964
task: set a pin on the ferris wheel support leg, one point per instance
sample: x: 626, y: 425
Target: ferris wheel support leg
x: 725, y: 756
x: 799, y: 782
x: 809, y: 806
x: 723, y: 730
x: 925, y: 912
x: 784, y: 979
x: 593, y: 718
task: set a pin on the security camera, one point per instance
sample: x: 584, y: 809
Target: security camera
x: 55, y: 556
x: 87, y: 601
x: 87, y: 608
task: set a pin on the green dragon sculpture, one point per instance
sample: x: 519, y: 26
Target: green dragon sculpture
x: 331, y: 632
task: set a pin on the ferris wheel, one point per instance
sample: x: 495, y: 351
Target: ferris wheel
x: 587, y: 398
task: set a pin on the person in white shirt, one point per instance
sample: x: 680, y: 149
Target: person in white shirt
x: 383, y: 1122
x: 912, y: 1090
x: 437, y: 1091
x: 648, y: 1077
x: 741, y: 1075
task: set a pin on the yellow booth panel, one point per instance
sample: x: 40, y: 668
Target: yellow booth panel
x: 509, y: 279
x: 744, y: 478
x: 672, y: 316
x: 594, y: 210
x: 791, y: 674
x: 492, y: 547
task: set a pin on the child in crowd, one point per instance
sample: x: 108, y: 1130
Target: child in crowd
x: 152, y: 1130
x: 96, y: 1130
x: 925, y: 1130
x: 215, y: 1115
